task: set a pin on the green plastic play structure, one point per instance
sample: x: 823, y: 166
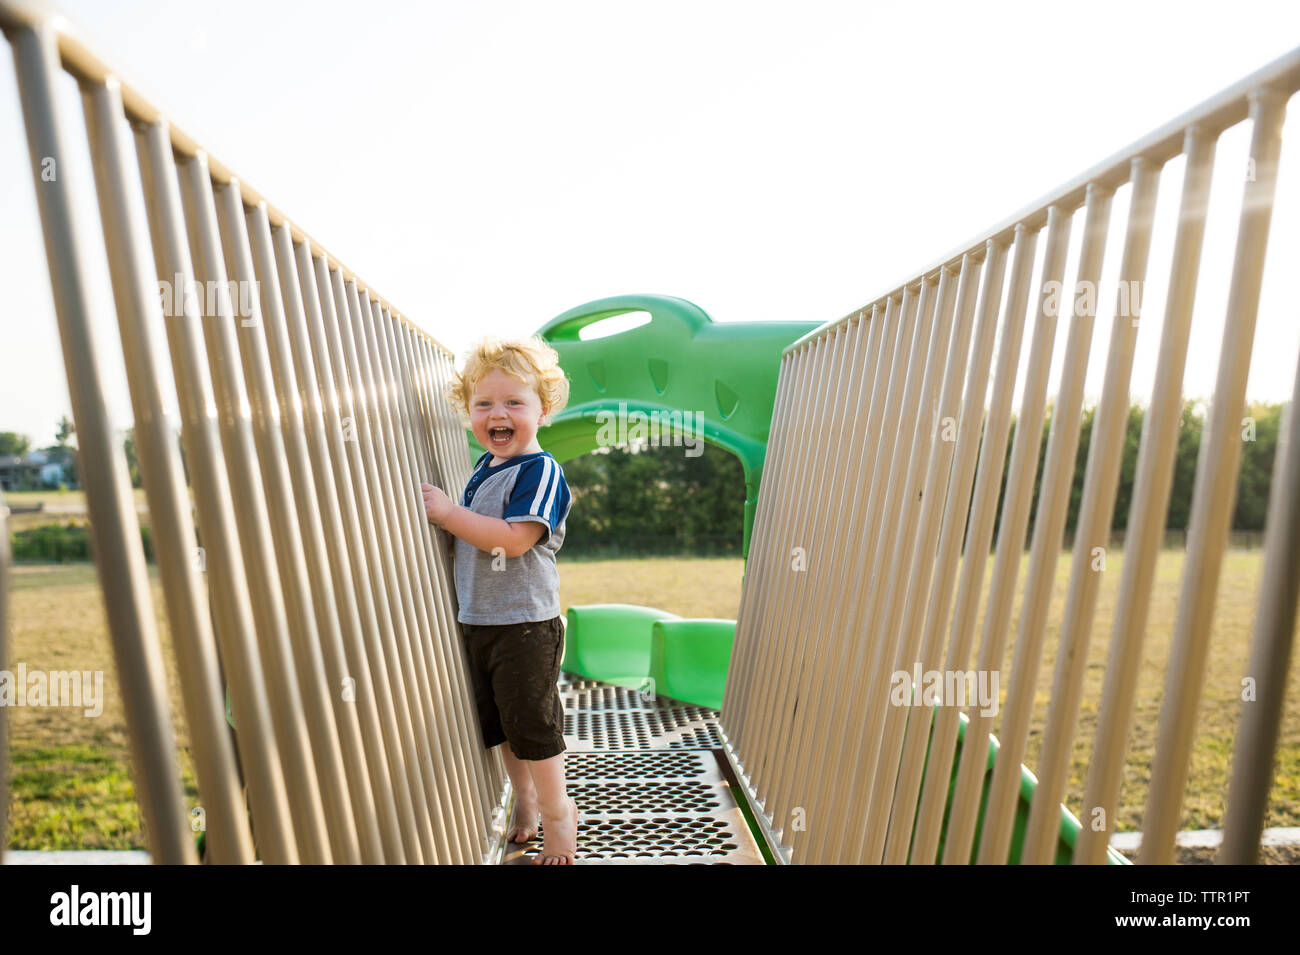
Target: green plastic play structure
x: 725, y: 376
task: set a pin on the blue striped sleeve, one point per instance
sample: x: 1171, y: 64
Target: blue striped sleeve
x: 540, y: 494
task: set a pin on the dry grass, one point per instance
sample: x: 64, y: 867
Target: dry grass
x: 1203, y: 806
x: 686, y: 586
x: 70, y: 776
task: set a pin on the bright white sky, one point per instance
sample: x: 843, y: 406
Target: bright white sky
x: 487, y: 166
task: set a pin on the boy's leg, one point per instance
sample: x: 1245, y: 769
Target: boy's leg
x: 524, y: 819
x: 479, y: 646
x: 532, y: 717
x: 559, y: 812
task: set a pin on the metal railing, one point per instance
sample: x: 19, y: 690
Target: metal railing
x: 857, y: 569
x: 331, y: 600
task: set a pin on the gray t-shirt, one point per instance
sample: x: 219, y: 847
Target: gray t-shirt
x: 500, y: 589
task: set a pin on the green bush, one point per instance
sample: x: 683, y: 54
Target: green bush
x: 63, y: 543
x: 55, y: 543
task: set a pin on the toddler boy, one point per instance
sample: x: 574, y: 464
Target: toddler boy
x: 507, y: 529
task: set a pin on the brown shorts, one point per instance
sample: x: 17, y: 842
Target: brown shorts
x: 514, y: 668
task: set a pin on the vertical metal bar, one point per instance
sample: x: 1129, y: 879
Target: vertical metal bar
x: 741, y: 657
x: 434, y: 645
x: 1101, y: 480
x: 913, y: 414
x: 928, y: 469
x: 281, y: 631
x: 399, y: 598
x: 774, y: 596
x: 464, y: 462
x: 807, y: 385
x: 448, y: 438
x: 957, y: 503
x: 387, y: 761
x: 446, y: 429
x: 979, y: 533
x: 1049, y: 520
x: 119, y: 558
x: 755, y: 596
x: 414, y: 591
x: 1270, y: 653
x: 309, y: 601
x: 882, y: 430
x: 1146, y: 523
x: 359, y: 410
x: 781, y: 565
x: 270, y: 380
x: 261, y: 738
x: 773, y: 691
x: 225, y: 816
x: 311, y: 305
x: 770, y: 563
x: 1215, y: 491
x: 802, y: 674
x: 419, y: 421
x: 481, y: 803
x: 432, y: 586
x: 900, y: 433
x: 352, y: 573
x: 824, y: 638
x: 1011, y: 537
x: 846, y: 432
x: 415, y: 387
x: 905, y: 650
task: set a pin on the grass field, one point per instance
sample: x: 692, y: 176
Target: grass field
x: 70, y: 785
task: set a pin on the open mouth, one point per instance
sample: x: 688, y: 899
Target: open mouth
x: 500, y: 436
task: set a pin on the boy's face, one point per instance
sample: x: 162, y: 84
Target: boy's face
x: 505, y: 414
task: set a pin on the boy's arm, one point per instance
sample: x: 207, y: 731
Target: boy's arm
x: 488, y: 533
x: 485, y: 533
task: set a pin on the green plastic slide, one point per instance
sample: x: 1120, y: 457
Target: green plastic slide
x: 687, y: 660
x: 610, y: 642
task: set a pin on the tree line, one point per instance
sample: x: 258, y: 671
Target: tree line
x: 1258, y: 432
x: 659, y: 500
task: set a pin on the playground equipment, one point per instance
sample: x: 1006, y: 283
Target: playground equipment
x: 814, y: 650
x: 680, y: 375
x: 333, y: 611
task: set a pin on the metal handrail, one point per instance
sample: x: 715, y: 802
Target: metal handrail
x: 333, y: 610
x: 854, y: 580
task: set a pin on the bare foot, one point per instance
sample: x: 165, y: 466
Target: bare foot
x: 560, y: 847
x: 524, y: 820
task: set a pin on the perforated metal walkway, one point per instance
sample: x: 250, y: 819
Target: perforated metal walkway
x: 650, y: 779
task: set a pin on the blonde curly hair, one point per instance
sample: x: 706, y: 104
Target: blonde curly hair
x: 530, y: 360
